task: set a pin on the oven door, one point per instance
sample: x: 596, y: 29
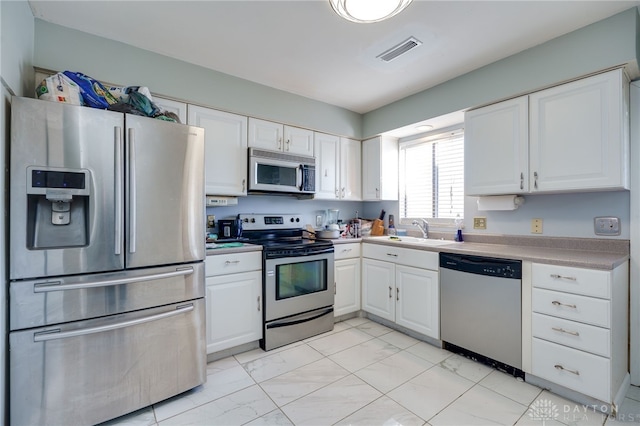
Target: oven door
x: 297, y: 284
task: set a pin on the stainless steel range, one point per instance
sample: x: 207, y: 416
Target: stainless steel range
x: 298, y: 282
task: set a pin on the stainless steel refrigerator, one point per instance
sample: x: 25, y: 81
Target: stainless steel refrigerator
x: 106, y: 291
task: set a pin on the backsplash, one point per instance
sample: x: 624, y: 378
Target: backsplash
x: 563, y: 215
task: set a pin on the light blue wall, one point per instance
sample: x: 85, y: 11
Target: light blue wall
x: 59, y: 48
x: 608, y: 43
x: 16, y: 76
x: 604, y: 44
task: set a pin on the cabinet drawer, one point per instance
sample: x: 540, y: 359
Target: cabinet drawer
x: 588, y: 282
x: 221, y: 264
x: 581, y: 371
x: 402, y: 256
x: 585, y: 337
x: 588, y: 310
x: 346, y: 251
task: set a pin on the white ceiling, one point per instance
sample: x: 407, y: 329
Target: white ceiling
x: 302, y: 47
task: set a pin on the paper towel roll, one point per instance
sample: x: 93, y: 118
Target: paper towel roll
x: 500, y: 202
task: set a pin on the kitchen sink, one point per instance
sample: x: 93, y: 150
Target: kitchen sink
x: 414, y: 240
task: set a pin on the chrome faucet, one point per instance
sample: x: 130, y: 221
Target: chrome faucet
x: 424, y: 227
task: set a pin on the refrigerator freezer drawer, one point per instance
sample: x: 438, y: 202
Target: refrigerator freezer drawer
x: 37, y: 303
x: 91, y: 371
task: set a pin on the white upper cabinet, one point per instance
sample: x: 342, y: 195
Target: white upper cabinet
x: 380, y: 169
x: 338, y: 169
x: 350, y: 169
x: 327, y: 153
x: 496, y: 148
x: 226, y: 153
x: 578, y: 135
x: 178, y: 108
x: 278, y: 137
x: 569, y: 138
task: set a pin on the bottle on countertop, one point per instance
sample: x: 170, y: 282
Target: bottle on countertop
x: 458, y: 222
x: 392, y: 227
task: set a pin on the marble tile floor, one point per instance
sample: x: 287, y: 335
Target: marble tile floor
x: 363, y: 373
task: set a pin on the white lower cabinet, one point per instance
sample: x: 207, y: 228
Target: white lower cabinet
x: 347, y: 277
x: 579, y: 329
x: 402, y: 285
x: 234, y: 300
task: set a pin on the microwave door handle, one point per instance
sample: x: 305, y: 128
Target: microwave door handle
x: 299, y: 177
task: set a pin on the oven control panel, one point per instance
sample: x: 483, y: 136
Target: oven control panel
x: 254, y: 222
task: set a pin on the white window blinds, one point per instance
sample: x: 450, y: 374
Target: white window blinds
x: 432, y: 177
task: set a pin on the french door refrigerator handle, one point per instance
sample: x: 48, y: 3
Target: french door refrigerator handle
x: 132, y: 192
x: 56, y: 286
x: 119, y: 173
x: 56, y: 334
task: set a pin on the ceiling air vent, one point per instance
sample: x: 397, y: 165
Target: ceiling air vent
x: 399, y: 49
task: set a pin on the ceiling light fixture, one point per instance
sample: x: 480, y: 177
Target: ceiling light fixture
x: 368, y: 11
x: 424, y: 127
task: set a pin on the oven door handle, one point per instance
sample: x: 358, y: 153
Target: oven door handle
x: 288, y: 255
x: 300, y: 319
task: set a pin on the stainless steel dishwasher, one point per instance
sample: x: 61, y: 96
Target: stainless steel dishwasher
x: 480, y: 309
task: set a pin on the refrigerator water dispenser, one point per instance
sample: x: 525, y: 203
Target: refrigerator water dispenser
x: 57, y: 208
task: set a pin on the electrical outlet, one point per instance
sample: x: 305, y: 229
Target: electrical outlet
x: 536, y: 226
x: 479, y: 223
x: 606, y: 225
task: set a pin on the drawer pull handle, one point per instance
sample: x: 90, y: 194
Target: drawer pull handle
x: 346, y: 250
x: 560, y: 277
x: 392, y: 254
x: 390, y: 296
x: 556, y: 303
x: 560, y: 367
x: 230, y: 262
x: 397, y: 293
x: 562, y: 330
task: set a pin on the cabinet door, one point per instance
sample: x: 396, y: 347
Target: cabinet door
x: 327, y: 160
x: 234, y: 310
x: 298, y: 141
x: 578, y: 141
x: 178, y: 108
x: 495, y: 148
x: 418, y: 300
x: 371, y: 169
x: 378, y: 288
x: 265, y: 134
x: 225, y: 150
x: 380, y: 169
x: 350, y: 170
x: 347, y: 276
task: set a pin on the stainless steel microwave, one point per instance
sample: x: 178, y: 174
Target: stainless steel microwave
x: 271, y: 171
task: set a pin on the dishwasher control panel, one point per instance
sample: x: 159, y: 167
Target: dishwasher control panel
x: 506, y: 268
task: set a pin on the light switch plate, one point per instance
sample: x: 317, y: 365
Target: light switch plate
x: 479, y: 223
x: 606, y: 225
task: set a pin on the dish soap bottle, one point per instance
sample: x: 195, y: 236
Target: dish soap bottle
x: 458, y: 222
